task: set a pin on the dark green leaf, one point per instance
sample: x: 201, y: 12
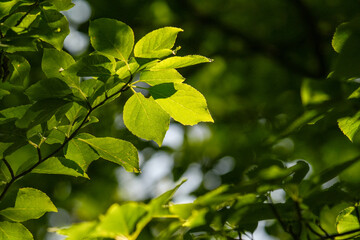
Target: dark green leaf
x: 48, y: 88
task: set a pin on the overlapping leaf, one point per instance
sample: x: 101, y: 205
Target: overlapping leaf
x: 14, y: 231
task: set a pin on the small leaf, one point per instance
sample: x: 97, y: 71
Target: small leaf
x: 14, y: 231
x: 145, y: 118
x: 183, y: 102
x: 157, y: 44
x: 163, y: 76
x: 21, y: 69
x: 30, y: 204
x: 115, y: 150
x: 63, y: 166
x: 180, y: 62
x: 342, y: 33
x: 3, y: 93
x: 350, y: 125
x: 78, y: 231
x: 112, y: 37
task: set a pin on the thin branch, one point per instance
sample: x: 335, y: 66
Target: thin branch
x: 8, y: 167
x: 41, y: 160
x: 299, y: 214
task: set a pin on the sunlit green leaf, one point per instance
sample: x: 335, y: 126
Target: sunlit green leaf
x: 6, y: 6
x: 81, y: 153
x: 14, y: 231
x: 345, y: 221
x: 350, y: 125
x: 30, y: 204
x: 163, y: 76
x: 78, y: 231
x: 61, y: 5
x: 120, y: 220
x: 180, y: 62
x: 112, y: 37
x: 184, y: 103
x: 115, y: 150
x: 157, y: 44
x: 145, y: 118
x: 61, y: 166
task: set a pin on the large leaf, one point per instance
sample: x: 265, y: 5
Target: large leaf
x: 184, y: 103
x: 53, y: 28
x: 81, y: 153
x: 6, y: 6
x: 61, y: 5
x: 180, y: 62
x: 63, y: 166
x: 120, y: 221
x: 14, y: 231
x: 48, y: 88
x: 95, y: 65
x: 145, y: 118
x: 157, y: 44
x: 30, y: 204
x: 112, y: 37
x: 115, y: 150
x: 163, y: 76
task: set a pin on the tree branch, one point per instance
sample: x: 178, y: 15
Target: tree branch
x: 41, y: 160
x: 8, y: 167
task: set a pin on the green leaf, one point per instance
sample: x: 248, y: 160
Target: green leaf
x: 95, y: 65
x: 6, y: 6
x: 3, y: 93
x: 350, y: 125
x: 63, y: 166
x: 42, y: 111
x: 23, y: 44
x: 120, y: 220
x: 345, y: 221
x: 81, y: 153
x: 14, y: 231
x: 13, y: 112
x: 30, y: 204
x: 78, y: 231
x: 112, y: 37
x: 157, y: 44
x: 115, y: 150
x: 183, y: 102
x: 21, y: 69
x: 342, y: 33
x: 61, y: 5
x: 53, y: 28
x: 180, y: 62
x: 145, y: 118
x: 54, y: 62
x: 48, y: 88
x: 163, y: 76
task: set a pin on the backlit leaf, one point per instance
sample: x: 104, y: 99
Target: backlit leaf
x: 48, y: 88
x: 61, y: 166
x: 162, y: 76
x: 145, y: 118
x: 112, y: 37
x: 81, y: 153
x: 350, y: 125
x: 14, y: 231
x: 157, y: 44
x: 180, y: 62
x: 30, y: 204
x: 184, y: 103
x: 115, y: 150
